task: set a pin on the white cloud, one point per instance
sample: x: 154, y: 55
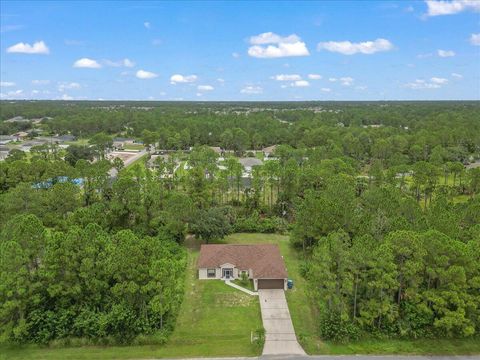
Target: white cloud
x: 286, y: 77
x: 433, y: 83
x: 86, y: 63
x: 35, y: 92
x: 235, y: 55
x: 11, y: 94
x: 475, y: 39
x: 66, y: 97
x: 205, y: 88
x: 271, y: 45
x: 177, y: 78
x: 38, y: 47
x: 436, y: 8
x: 332, y: 79
x: 199, y: 94
x: 220, y: 80
x: 124, y: 62
x: 314, y: 76
x: 143, y: 74
x: 349, y: 48
x: 325, y: 89
x: 360, y: 87
x: 346, y: 81
x: 40, y: 82
x: 445, y: 53
x: 68, y: 86
x: 457, y: 76
x: 251, y: 90
x: 6, y: 84
x: 147, y: 25
x: 437, y: 80
x: 300, y: 83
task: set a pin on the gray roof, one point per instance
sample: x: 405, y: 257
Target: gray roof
x: 65, y: 138
x: 473, y: 165
x: 250, y: 162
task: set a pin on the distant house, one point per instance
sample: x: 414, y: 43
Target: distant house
x: 5, y: 139
x: 21, y: 135
x: 262, y: 263
x: 218, y: 150
x: 124, y: 140
x: 269, y: 150
x: 17, y: 119
x: 248, y: 164
x: 64, y: 138
x: 118, y: 145
x: 473, y: 165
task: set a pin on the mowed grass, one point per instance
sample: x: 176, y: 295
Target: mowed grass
x: 215, y: 320
x: 305, y: 320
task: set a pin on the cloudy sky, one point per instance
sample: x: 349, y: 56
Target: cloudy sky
x: 392, y: 50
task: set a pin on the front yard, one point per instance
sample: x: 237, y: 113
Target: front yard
x: 216, y: 320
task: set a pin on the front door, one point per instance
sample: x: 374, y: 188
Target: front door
x: 227, y: 273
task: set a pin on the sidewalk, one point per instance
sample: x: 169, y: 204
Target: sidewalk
x: 229, y: 283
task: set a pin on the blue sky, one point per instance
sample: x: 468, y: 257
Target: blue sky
x: 358, y: 50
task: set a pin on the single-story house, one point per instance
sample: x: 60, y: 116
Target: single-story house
x: 262, y: 263
x: 269, y: 150
x: 248, y: 164
x: 63, y: 138
x: 21, y: 135
x: 473, y: 165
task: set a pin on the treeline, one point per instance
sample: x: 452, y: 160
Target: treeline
x: 86, y: 283
x: 409, y: 284
x: 380, y: 264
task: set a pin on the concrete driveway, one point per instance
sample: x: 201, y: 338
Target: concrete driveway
x: 280, y: 336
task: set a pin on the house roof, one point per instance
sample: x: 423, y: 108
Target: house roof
x: 270, y: 149
x: 250, y: 162
x: 217, y: 149
x: 264, y: 260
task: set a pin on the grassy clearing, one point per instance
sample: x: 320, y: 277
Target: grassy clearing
x: 304, y: 319
x: 134, y: 146
x: 215, y: 321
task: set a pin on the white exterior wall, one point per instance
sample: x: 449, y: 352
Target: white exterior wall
x: 202, y: 272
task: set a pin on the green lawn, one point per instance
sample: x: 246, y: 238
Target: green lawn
x: 216, y: 320
x: 303, y: 315
x: 134, y: 147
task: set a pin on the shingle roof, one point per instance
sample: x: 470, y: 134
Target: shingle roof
x: 264, y: 260
x: 250, y: 161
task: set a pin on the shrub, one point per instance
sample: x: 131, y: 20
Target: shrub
x: 333, y: 327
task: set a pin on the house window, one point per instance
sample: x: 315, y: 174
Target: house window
x: 211, y: 273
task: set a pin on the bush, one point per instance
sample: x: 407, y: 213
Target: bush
x: 333, y: 327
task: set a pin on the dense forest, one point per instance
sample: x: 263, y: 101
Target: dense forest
x: 377, y: 197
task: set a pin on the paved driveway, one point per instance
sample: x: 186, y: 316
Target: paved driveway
x: 280, y: 335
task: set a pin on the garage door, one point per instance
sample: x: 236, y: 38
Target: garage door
x: 270, y: 283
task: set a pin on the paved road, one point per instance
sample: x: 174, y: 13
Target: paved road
x: 280, y: 336
x: 345, y: 357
